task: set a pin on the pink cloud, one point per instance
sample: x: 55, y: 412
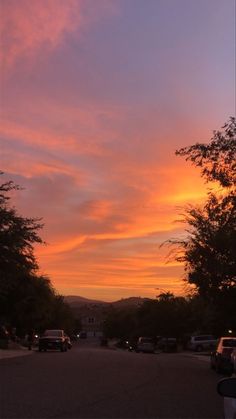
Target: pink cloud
x: 31, y: 25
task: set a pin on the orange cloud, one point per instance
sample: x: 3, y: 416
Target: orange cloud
x: 116, y: 280
x: 44, y: 139
x: 82, y: 131
x: 95, y: 209
x: 36, y: 167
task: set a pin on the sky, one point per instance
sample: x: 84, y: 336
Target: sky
x: 96, y: 96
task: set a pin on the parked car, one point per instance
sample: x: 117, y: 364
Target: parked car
x: 202, y: 342
x: 168, y: 344
x: 122, y: 344
x: 145, y: 344
x: 221, y: 358
x: 233, y: 361
x: 53, y: 339
x: 227, y: 388
x: 132, y: 344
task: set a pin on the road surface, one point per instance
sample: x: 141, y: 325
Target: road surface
x: 95, y: 382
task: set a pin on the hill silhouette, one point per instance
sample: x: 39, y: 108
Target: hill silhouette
x: 76, y: 300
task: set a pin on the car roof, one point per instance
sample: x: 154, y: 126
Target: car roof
x: 145, y: 337
x: 228, y: 337
x: 199, y: 336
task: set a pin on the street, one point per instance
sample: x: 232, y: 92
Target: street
x: 94, y: 382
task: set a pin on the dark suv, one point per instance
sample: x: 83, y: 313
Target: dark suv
x: 168, y: 344
x: 53, y: 339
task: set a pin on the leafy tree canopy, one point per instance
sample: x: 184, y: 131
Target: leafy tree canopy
x: 217, y: 159
x: 17, y: 237
x: 209, y: 249
x: 27, y: 299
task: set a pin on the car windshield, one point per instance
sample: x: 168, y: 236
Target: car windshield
x: 55, y: 333
x: 229, y: 343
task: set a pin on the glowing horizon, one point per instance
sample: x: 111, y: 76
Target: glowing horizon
x: 96, y: 98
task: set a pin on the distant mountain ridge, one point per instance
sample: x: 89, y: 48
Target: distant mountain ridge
x: 130, y: 301
x: 76, y: 300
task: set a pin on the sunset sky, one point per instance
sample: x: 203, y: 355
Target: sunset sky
x: 96, y: 96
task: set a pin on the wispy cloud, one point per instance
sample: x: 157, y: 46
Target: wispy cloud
x: 30, y: 25
x: 97, y: 96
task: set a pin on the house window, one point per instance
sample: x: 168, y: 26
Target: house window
x: 91, y: 320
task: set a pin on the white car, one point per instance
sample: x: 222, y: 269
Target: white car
x: 202, y: 342
x: 227, y: 389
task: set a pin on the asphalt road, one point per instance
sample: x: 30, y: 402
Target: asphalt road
x: 96, y: 382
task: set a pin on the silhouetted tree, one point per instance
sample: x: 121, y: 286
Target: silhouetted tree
x: 167, y: 316
x: 209, y: 249
x: 27, y: 299
x: 17, y: 236
x: 120, y: 323
x: 218, y: 158
x: 62, y: 316
x: 29, y: 303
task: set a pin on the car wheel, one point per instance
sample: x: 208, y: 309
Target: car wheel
x: 40, y: 349
x: 199, y: 348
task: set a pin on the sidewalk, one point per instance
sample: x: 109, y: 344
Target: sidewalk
x: 13, y: 353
